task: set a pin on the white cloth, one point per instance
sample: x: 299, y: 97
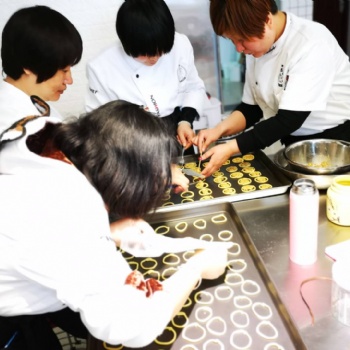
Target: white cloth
x: 306, y: 70
x: 56, y: 251
x: 15, y: 105
x: 173, y: 81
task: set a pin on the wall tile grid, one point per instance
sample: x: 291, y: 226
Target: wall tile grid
x: 302, y: 8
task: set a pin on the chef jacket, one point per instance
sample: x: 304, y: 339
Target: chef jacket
x: 305, y: 70
x: 172, y: 82
x: 16, y: 104
x: 56, y: 250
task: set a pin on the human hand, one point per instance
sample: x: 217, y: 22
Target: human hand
x: 205, y: 137
x: 179, y: 180
x: 211, y: 262
x: 218, y: 155
x: 185, y: 134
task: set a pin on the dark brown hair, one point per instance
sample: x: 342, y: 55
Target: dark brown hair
x: 245, y: 18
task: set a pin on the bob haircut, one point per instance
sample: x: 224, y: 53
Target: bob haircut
x: 41, y: 40
x: 126, y: 154
x: 145, y: 27
x: 244, y: 18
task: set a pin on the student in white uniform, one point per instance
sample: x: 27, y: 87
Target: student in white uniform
x: 152, y: 66
x: 57, y: 248
x: 297, y: 83
x: 39, y: 47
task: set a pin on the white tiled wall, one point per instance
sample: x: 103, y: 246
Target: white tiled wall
x: 301, y: 8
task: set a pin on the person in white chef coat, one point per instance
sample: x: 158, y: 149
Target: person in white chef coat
x: 39, y: 47
x: 297, y: 82
x: 152, y: 66
x: 57, y: 246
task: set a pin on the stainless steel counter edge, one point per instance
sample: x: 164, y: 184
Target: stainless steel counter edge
x: 267, y: 222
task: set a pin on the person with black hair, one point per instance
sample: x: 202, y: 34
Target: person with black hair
x: 297, y: 81
x: 60, y: 184
x: 39, y: 47
x: 153, y: 66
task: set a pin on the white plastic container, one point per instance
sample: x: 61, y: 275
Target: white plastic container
x: 303, y: 222
x: 341, y: 290
x: 338, y: 200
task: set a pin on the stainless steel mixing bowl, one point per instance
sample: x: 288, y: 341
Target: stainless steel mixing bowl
x: 319, y: 156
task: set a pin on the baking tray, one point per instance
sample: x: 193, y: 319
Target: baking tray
x: 322, y: 182
x: 227, y: 311
x: 279, y: 184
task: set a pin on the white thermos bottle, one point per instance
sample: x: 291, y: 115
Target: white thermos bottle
x: 303, y: 222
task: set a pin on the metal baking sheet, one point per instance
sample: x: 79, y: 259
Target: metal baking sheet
x: 279, y: 184
x: 232, y: 311
x: 322, y: 181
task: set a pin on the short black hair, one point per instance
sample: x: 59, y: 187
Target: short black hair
x: 145, y: 27
x: 40, y: 39
x: 126, y: 154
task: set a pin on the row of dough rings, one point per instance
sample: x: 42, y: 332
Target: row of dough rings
x: 244, y: 181
x: 227, y: 293
x: 261, y: 179
x: 207, y: 312
x: 203, y: 297
x: 244, y: 164
x: 243, y: 315
x: 269, y: 326
x: 208, y: 344
x: 248, y: 188
x: 182, y: 315
x: 146, y: 261
x: 199, y: 329
x: 225, y: 235
x: 220, y: 179
x: 273, y: 346
x: 218, y: 219
x: 248, y: 169
x: 241, y: 262
x: 254, y: 287
x: 237, y: 175
x: 241, y: 334
x: 205, y: 191
x: 222, y: 323
x: 264, y: 186
x: 181, y: 226
x: 217, y: 174
x: 202, y: 184
x: 201, y: 224
x: 168, y: 272
x: 170, y: 329
x: 234, y: 279
x: 207, y: 237
x: 152, y: 274
x: 171, y: 256
x: 242, y: 302
x: 187, y: 194
x: 260, y: 315
x: 187, y: 200
x: 204, y: 198
x: 162, y: 230
x: 237, y: 248
x: 229, y: 191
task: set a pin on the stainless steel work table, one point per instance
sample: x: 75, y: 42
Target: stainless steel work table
x: 267, y: 222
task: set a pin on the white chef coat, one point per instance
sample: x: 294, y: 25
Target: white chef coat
x: 15, y: 105
x: 306, y: 70
x: 56, y: 251
x: 173, y: 81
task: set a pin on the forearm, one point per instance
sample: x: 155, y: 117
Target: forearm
x: 233, y: 124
